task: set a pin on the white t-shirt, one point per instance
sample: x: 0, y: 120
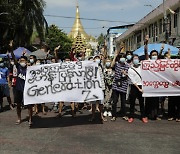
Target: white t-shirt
x: 135, y: 78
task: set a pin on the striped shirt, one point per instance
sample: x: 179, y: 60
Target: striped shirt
x: 118, y: 75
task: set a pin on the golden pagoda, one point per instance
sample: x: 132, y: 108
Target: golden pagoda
x: 77, y: 27
x: 78, y: 34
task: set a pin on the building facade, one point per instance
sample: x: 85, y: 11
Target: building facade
x: 112, y: 34
x: 162, y: 25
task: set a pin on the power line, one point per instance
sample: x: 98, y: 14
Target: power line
x: 91, y: 19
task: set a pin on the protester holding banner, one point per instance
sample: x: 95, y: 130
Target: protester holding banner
x: 99, y: 103
x: 120, y: 83
x: 152, y: 103
x: 134, y: 73
x: 19, y: 87
x: 61, y: 104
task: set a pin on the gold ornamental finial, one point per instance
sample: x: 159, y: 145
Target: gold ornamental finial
x: 77, y: 26
x: 77, y: 3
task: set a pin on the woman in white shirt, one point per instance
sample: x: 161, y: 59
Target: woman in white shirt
x: 134, y: 73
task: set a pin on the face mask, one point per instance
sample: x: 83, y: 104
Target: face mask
x: 31, y: 61
x: 23, y: 64
x: 136, y: 61
x: 129, y: 57
x: 154, y: 58
x: 12, y: 63
x: 1, y: 64
x: 98, y: 61
x: 38, y: 63
x: 108, y: 64
x: 122, y: 60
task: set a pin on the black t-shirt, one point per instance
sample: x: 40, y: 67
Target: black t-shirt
x: 21, y: 77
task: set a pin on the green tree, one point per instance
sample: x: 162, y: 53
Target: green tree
x: 55, y: 37
x: 101, y: 39
x: 23, y: 18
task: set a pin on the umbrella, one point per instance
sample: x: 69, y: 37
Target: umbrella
x: 157, y: 46
x: 3, y: 55
x: 40, y: 54
x: 19, y: 51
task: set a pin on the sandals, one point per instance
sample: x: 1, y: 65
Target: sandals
x: 113, y: 119
x: 17, y: 122
x: 30, y: 124
x: 177, y: 120
x: 103, y: 119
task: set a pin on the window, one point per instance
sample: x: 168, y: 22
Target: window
x: 150, y: 30
x: 160, y: 26
x: 155, y: 31
x: 176, y: 18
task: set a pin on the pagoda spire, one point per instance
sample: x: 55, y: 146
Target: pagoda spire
x: 77, y: 28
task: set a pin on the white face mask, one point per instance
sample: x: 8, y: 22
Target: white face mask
x: 122, y: 60
x: 108, y: 64
x: 12, y: 63
x: 23, y: 64
x: 31, y: 61
x: 1, y: 64
x: 129, y: 57
x: 38, y: 63
x: 154, y: 58
x: 98, y: 61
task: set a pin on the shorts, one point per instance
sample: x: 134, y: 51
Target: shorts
x: 4, y: 90
x: 18, y: 97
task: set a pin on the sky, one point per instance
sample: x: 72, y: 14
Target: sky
x: 123, y: 11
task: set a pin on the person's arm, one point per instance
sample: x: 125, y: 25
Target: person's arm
x: 138, y: 88
x: 146, y: 47
x: 11, y: 51
x: 169, y: 52
x: 115, y: 56
x: 160, y: 53
x: 55, y: 53
x: 47, y: 55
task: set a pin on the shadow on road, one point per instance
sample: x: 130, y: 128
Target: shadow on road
x: 66, y: 121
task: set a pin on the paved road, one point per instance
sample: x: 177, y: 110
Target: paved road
x: 69, y: 135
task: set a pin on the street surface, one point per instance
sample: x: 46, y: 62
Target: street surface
x: 69, y: 135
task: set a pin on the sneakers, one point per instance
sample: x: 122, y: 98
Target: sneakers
x: 177, y: 120
x: 170, y: 119
x: 109, y: 114
x: 105, y: 113
x: 145, y: 120
x: 130, y: 120
x: 125, y: 118
x: 113, y: 119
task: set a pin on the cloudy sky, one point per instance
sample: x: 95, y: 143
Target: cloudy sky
x: 123, y: 11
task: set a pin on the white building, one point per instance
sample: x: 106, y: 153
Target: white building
x: 162, y: 25
x: 112, y: 34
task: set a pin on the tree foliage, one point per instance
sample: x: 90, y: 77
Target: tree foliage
x: 55, y: 37
x: 101, y: 39
x: 19, y: 19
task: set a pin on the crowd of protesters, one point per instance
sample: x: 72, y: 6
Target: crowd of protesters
x: 120, y: 79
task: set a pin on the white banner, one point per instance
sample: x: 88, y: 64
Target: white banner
x: 67, y: 82
x: 161, y: 77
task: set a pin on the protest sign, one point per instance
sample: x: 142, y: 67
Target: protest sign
x: 66, y: 81
x: 161, y: 77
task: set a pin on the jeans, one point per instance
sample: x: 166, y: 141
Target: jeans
x: 115, y: 97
